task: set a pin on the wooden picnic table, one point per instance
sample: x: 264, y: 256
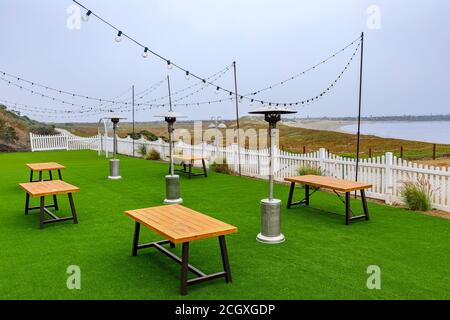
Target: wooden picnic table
x: 187, y: 161
x: 337, y: 185
x: 45, y: 166
x: 49, y: 188
x: 179, y: 224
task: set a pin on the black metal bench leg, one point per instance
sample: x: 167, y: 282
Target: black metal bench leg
x: 364, y: 202
x: 134, y: 249
x: 184, y: 269
x: 31, y: 175
x: 204, y: 168
x: 225, y: 262
x: 41, y: 214
x: 306, y: 195
x: 27, y: 202
x: 72, y: 207
x: 55, y: 201
x: 172, y: 245
x: 291, y: 194
x: 347, y: 208
x: 59, y: 174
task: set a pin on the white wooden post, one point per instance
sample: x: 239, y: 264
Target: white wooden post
x: 322, y: 155
x: 389, y: 177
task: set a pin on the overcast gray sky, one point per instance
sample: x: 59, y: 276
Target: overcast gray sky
x: 406, y: 60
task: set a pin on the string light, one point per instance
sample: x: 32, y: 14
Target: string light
x: 119, y: 36
x: 85, y: 17
x: 188, y: 75
x: 145, y: 53
x: 169, y: 64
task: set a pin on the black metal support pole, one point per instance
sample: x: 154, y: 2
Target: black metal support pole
x: 237, y: 116
x: 132, y: 115
x: 359, y: 107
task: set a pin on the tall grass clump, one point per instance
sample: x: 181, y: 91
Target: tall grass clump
x: 309, y: 169
x: 221, y: 167
x: 417, y: 194
x: 142, y: 150
x: 153, y: 155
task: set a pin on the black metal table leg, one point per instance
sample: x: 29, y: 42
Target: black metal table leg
x: 184, y: 269
x: 172, y: 245
x: 347, y: 208
x: 55, y: 201
x: 42, y: 211
x: 137, y: 228
x: 31, y: 175
x: 291, y: 193
x: 50, y: 175
x: 40, y: 175
x: 59, y: 174
x: 72, y: 207
x: 190, y: 170
x: 27, y: 202
x: 306, y: 195
x: 364, y: 202
x: 225, y: 262
x: 204, y: 168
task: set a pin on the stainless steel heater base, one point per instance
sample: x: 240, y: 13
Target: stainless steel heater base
x: 114, y: 169
x: 270, y: 222
x: 173, y: 190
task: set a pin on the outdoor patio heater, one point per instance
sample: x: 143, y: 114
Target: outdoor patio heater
x: 270, y: 207
x: 114, y: 164
x: 172, y: 180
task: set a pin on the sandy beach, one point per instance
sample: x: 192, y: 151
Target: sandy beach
x: 328, y: 125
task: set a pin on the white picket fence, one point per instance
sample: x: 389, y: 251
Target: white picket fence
x: 387, y: 173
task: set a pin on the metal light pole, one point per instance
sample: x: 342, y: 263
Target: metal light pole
x: 270, y: 207
x: 216, y: 123
x: 172, y: 180
x: 132, y: 103
x: 237, y: 116
x: 114, y: 164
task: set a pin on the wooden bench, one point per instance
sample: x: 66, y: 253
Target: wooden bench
x: 49, y: 188
x: 178, y: 224
x: 337, y: 185
x: 187, y: 161
x: 45, y: 166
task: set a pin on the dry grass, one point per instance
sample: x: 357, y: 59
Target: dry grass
x: 294, y: 139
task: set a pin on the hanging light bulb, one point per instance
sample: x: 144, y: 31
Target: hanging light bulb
x: 145, y: 53
x: 188, y: 75
x: 169, y: 65
x: 85, y: 18
x: 217, y: 90
x: 119, y: 36
x: 241, y: 98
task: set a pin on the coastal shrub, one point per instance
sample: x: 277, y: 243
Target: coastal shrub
x: 310, y: 169
x: 142, y: 150
x: 153, y: 155
x: 221, y: 167
x: 417, y: 195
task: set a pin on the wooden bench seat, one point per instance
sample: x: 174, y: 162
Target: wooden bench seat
x: 181, y: 225
x: 45, y: 166
x: 337, y: 185
x: 49, y: 188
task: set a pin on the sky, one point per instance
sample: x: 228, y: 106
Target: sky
x: 406, y: 67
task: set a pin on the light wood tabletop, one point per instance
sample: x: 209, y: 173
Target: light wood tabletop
x: 43, y: 166
x: 180, y: 224
x: 188, y: 157
x: 45, y: 188
x: 329, y: 182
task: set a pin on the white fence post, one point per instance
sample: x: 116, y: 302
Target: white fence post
x: 322, y: 156
x: 389, y: 177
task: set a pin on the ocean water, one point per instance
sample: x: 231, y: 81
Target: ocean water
x: 426, y: 131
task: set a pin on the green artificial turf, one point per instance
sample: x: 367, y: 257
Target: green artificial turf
x: 322, y: 258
